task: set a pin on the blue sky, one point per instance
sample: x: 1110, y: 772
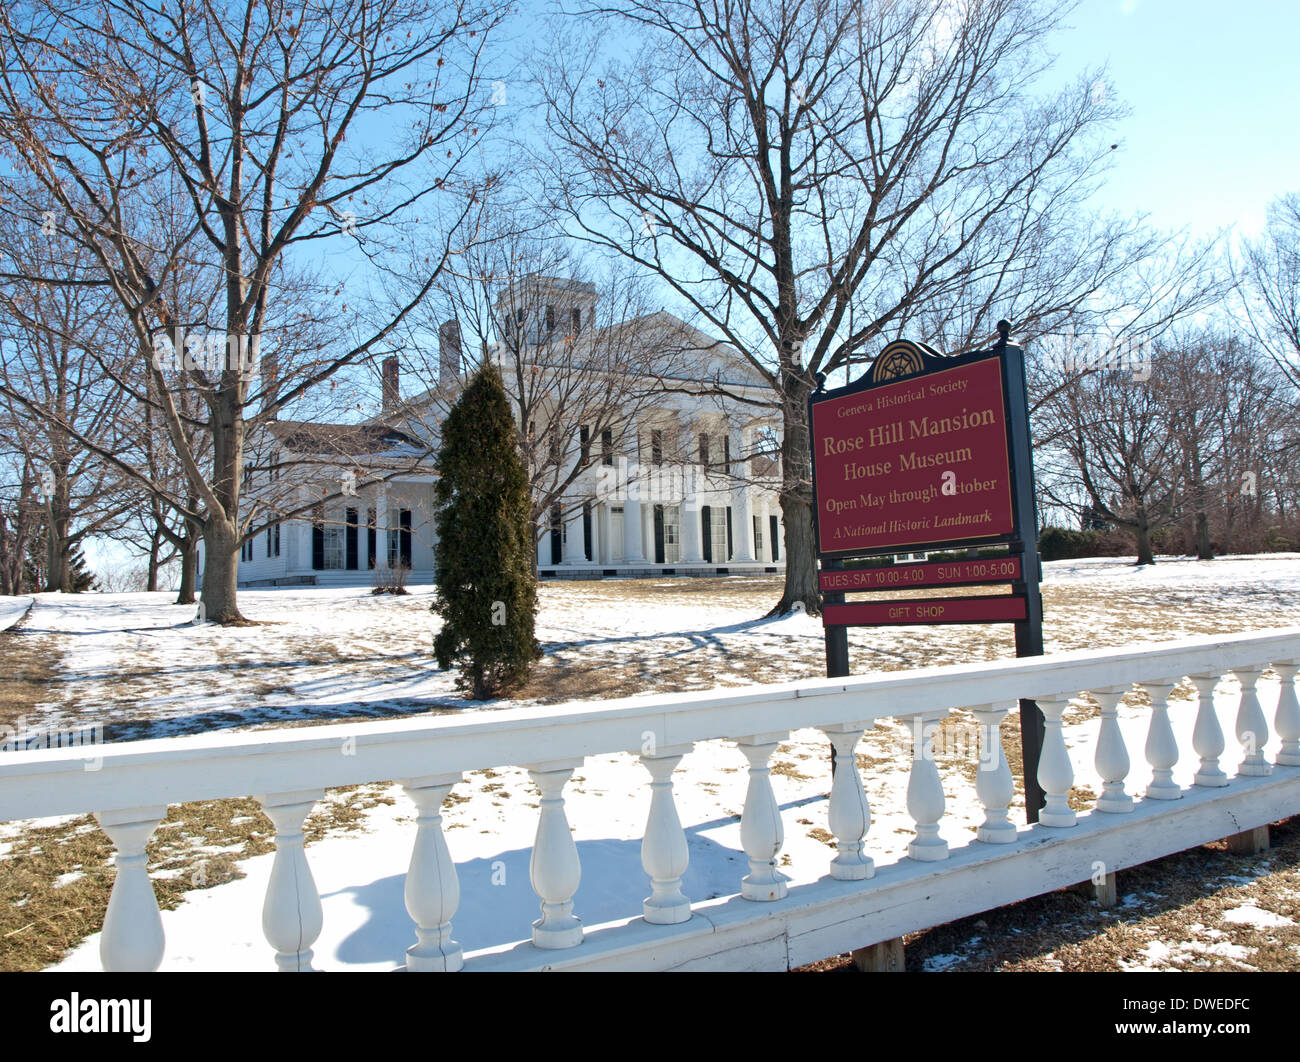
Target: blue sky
x: 1214, y: 90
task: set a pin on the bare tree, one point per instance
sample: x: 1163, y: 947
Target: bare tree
x: 583, y: 355
x: 1118, y: 451
x: 20, y: 518
x: 1269, y: 285
x: 273, y: 131
x: 60, y: 345
x: 806, y: 173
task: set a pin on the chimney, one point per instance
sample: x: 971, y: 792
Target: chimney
x: 448, y: 352
x: 390, y: 391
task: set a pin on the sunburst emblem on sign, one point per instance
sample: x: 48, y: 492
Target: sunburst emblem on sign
x: 901, y: 358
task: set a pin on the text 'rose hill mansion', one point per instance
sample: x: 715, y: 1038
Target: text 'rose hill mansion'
x: 651, y: 450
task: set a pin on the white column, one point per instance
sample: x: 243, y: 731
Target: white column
x: 1111, y: 758
x: 1055, y: 773
x: 304, y: 558
x: 381, y: 527
x: 925, y: 800
x: 742, y: 527
x: 574, y: 551
x: 291, y: 914
x: 664, y: 854
x: 432, y: 888
x: 692, y: 536
x: 1161, y: 747
x: 849, y: 813
x: 761, y: 832
x: 1287, y: 719
x: 132, y: 939
x: 993, y: 783
x: 1207, y: 735
x: 1252, y: 727
x: 554, y: 869
x: 632, y: 532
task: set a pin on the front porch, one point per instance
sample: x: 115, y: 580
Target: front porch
x: 348, y: 541
x: 709, y: 534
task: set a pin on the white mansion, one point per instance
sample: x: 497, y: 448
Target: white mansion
x: 677, y: 478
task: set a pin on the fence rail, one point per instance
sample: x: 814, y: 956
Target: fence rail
x: 767, y: 923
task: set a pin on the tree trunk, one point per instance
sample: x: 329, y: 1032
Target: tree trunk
x: 1203, y: 550
x: 1144, y: 541
x: 58, y: 575
x: 151, y: 579
x: 220, y: 572
x: 219, y: 597
x: 796, y: 502
x: 189, y: 563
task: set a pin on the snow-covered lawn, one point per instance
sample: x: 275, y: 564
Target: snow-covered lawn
x: 12, y: 609
x: 135, y: 664
x: 138, y: 666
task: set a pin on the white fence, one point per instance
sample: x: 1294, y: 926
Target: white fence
x: 767, y: 924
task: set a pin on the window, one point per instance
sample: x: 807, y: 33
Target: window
x: 718, y: 534
x: 318, y: 538
x: 726, y: 454
x: 672, y: 534
x: 246, y: 550
x: 584, y: 442
x: 704, y: 450
x: 657, y: 447
x: 394, y: 544
x: 334, y: 547
x: 758, y: 538
x: 607, y: 447
x: 550, y: 318
x: 576, y: 319
x: 276, y: 529
x: 268, y: 541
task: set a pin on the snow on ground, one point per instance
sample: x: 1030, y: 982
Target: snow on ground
x: 12, y: 609
x: 138, y: 664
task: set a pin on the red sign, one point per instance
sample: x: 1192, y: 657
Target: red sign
x: 988, y: 609
x: 901, y: 576
x: 911, y: 463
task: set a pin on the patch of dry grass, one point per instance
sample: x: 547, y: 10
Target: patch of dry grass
x: 29, y: 675
x: 1165, y: 905
x: 197, y: 846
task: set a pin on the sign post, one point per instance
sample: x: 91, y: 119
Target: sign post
x: 930, y: 453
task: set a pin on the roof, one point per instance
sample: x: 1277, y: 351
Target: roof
x: 307, y: 437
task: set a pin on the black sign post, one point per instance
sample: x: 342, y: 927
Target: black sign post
x: 845, y: 455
